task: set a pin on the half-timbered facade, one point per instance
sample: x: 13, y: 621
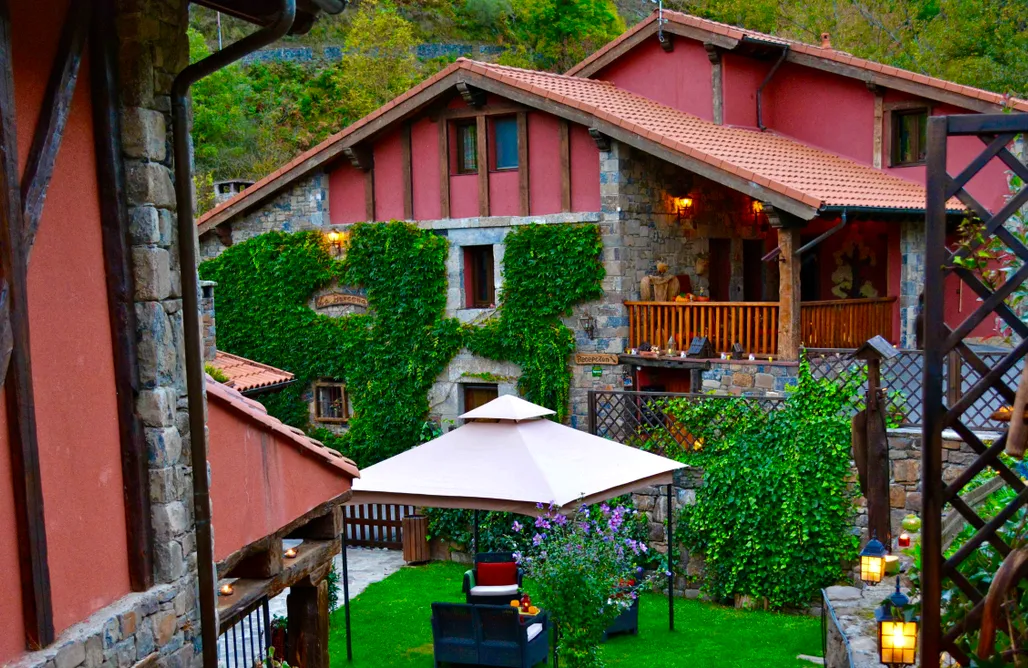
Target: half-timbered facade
x: 783, y: 183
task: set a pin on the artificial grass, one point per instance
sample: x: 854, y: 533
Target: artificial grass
x: 391, y: 629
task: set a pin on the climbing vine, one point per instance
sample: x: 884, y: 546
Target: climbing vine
x: 547, y: 269
x: 390, y: 356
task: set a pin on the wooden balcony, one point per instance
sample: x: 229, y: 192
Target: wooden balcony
x: 825, y: 324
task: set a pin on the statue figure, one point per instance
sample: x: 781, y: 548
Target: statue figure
x: 659, y: 288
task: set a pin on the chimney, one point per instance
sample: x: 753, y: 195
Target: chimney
x: 207, y: 326
x: 826, y: 40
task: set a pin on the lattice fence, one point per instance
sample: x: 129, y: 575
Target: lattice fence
x: 642, y: 419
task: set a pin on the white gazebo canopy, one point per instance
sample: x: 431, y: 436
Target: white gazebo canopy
x: 510, y: 458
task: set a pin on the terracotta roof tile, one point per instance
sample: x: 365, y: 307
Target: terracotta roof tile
x: 258, y: 414
x: 245, y: 375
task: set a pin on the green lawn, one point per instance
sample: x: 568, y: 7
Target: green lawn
x: 391, y: 629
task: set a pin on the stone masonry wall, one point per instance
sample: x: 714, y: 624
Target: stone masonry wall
x: 208, y: 324
x: 746, y: 378
x: 912, y: 273
x: 160, y: 626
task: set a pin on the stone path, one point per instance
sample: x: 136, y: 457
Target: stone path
x: 364, y: 567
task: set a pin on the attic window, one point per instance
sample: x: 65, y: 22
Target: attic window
x: 467, y: 148
x: 330, y: 403
x: 909, y: 137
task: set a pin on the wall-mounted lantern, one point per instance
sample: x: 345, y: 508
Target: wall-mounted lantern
x: 897, y: 630
x: 337, y: 241
x: 683, y: 207
x: 587, y: 324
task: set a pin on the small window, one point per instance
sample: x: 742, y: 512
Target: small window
x: 909, y: 137
x: 467, y: 148
x: 476, y: 395
x: 478, y: 277
x: 505, y: 139
x: 330, y: 404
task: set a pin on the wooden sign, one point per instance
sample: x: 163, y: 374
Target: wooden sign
x: 340, y: 299
x: 589, y: 359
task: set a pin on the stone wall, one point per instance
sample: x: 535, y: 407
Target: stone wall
x: 912, y: 272
x: 162, y: 625
x: 302, y: 206
x: 746, y: 378
x: 208, y: 324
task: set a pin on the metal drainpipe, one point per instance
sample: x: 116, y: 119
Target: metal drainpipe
x: 187, y: 246
x: 767, y: 79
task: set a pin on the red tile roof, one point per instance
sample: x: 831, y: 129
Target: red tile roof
x: 257, y: 413
x: 834, y: 55
x: 811, y: 176
x: 245, y: 375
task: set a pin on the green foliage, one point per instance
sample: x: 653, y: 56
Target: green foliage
x: 547, y: 269
x: 774, y: 515
x: 559, y: 33
x: 215, y: 373
x: 388, y: 357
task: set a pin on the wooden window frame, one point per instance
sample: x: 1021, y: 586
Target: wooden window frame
x: 471, y: 277
x: 321, y: 384
x: 494, y: 143
x: 460, y: 168
x: 893, y: 114
x: 476, y: 386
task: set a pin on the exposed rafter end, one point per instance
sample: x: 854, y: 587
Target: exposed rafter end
x: 875, y: 88
x: 667, y: 41
x: 360, y: 157
x: 474, y: 97
x: 713, y: 52
x: 780, y: 219
x: 602, y: 140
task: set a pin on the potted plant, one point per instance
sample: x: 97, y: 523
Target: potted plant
x: 585, y: 566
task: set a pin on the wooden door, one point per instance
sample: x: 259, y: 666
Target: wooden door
x: 720, y: 270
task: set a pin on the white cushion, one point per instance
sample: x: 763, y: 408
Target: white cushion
x: 534, y: 630
x: 497, y: 590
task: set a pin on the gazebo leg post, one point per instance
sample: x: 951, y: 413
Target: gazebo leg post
x: 346, y: 592
x: 475, y: 536
x: 670, y: 561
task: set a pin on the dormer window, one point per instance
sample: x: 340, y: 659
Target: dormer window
x: 909, y: 137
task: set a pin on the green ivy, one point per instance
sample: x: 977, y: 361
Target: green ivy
x: 774, y: 516
x: 390, y: 356
x: 547, y: 269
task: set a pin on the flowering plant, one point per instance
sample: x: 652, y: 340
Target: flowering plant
x: 585, y: 566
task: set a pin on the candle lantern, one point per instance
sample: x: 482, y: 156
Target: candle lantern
x: 291, y: 553
x: 904, y: 540
x: 226, y: 589
x: 897, y: 631
x: 872, y: 562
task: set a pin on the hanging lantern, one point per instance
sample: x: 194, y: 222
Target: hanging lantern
x: 872, y: 562
x: 897, y: 631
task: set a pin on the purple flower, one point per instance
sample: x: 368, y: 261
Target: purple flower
x: 516, y: 527
x: 542, y: 523
x: 537, y: 540
x: 667, y: 573
x: 639, y: 570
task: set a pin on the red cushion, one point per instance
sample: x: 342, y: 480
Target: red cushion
x: 496, y: 575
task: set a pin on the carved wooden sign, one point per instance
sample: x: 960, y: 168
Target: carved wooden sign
x: 589, y: 359
x: 340, y: 299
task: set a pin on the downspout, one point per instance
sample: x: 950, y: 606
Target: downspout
x: 767, y: 80
x: 187, y: 248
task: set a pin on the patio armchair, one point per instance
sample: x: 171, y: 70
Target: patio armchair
x: 488, y: 635
x: 495, y: 579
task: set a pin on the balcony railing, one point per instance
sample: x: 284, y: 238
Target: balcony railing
x: 827, y: 324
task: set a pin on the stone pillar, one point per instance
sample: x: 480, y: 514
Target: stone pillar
x: 912, y: 271
x: 789, y: 334
x: 207, y: 322
x: 307, y: 608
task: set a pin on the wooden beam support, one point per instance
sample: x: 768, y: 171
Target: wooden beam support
x: 524, y: 185
x: 444, y: 169
x: 879, y: 127
x: 360, y: 156
x: 565, y: 165
x: 37, y: 607
x: 789, y: 326
x: 482, y: 139
x: 602, y: 140
x: 369, y: 195
x: 408, y: 182
x: 717, y: 84
x: 488, y: 110
x: 53, y: 116
x: 307, y: 610
x: 325, y: 527
x: 667, y: 42
x: 260, y: 565
x: 114, y: 227
x: 474, y: 97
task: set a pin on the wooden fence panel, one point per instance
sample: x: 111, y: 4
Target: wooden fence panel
x: 376, y: 525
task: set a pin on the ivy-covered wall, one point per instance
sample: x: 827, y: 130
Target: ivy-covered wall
x: 390, y: 356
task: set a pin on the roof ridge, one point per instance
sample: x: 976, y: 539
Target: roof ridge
x: 555, y: 75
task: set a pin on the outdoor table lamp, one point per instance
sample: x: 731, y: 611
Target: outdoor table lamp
x: 897, y: 633
x: 872, y: 562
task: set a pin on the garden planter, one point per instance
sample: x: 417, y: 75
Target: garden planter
x: 627, y: 622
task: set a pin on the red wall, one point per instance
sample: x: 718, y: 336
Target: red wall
x: 544, y: 171
x: 741, y: 77
x: 680, y: 79
x: 585, y: 171
x: 504, y: 193
x: 76, y: 413
x: 425, y: 173
x: 259, y: 481
x: 463, y: 196
x: 12, y: 640
x: 389, y: 178
x: 346, y: 195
